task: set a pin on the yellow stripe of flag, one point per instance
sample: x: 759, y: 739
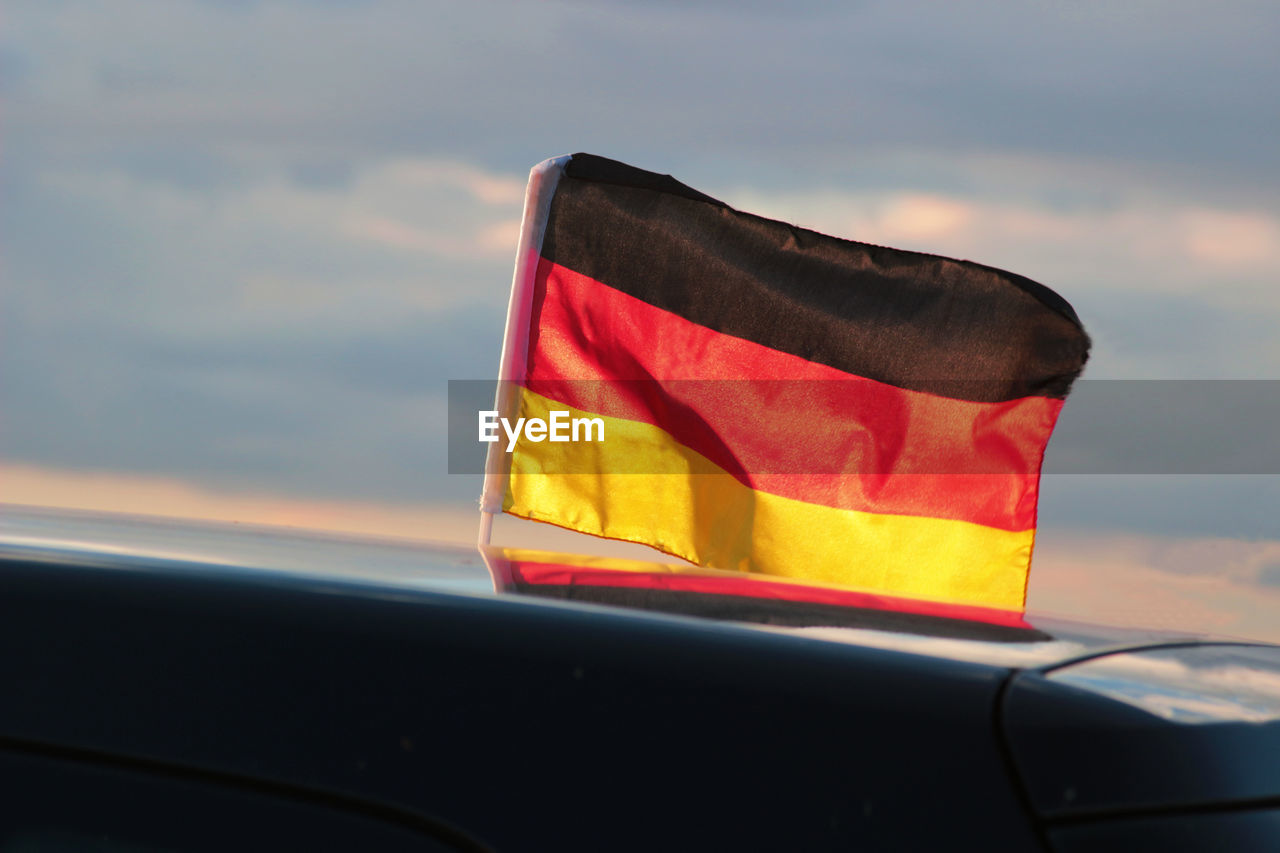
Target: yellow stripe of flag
x: 685, y: 505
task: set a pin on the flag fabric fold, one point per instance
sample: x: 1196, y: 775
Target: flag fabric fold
x: 775, y: 400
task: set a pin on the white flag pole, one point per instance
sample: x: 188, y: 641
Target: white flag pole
x: 486, y: 528
x: 543, y: 179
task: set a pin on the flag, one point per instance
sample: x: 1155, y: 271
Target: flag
x: 774, y: 400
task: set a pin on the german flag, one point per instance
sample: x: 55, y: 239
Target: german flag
x: 775, y: 400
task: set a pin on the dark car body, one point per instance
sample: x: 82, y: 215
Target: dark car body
x: 239, y: 689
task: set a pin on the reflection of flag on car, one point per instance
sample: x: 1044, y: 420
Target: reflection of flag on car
x: 775, y: 400
x: 743, y: 597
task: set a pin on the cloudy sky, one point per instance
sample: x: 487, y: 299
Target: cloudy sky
x: 246, y: 244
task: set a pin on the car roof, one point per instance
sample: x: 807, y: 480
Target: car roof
x: 522, y: 722
x: 336, y: 666
x: 361, y: 562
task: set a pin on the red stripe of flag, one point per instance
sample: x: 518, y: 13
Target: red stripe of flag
x: 780, y: 435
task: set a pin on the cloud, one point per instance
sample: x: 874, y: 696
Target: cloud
x: 448, y: 209
x: 495, y: 239
x: 244, y: 336
x: 168, y: 497
x: 1199, y: 505
x: 1180, y: 584
x: 1232, y: 239
x: 1144, y: 246
x: 508, y: 83
x: 238, y: 338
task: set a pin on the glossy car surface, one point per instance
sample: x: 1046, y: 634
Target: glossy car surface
x: 186, y: 687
